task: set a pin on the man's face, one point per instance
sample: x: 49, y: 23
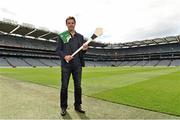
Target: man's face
x: 70, y: 24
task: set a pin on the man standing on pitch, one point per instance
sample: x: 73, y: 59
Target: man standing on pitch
x: 71, y: 65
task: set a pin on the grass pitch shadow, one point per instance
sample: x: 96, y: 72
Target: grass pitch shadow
x: 82, y: 115
x: 67, y: 116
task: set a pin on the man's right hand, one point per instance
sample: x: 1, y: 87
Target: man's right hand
x: 68, y: 58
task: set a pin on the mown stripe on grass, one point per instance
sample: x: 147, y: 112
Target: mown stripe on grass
x: 120, y: 78
x: 159, y: 94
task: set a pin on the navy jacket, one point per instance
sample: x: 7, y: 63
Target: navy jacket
x: 69, y: 48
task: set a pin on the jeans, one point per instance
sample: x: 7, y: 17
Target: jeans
x: 65, y: 76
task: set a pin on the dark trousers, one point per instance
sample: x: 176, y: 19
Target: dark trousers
x: 65, y: 76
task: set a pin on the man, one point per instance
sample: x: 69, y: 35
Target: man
x: 74, y: 66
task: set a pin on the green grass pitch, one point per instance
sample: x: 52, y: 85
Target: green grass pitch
x: 153, y: 88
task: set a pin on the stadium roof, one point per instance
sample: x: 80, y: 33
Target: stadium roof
x: 150, y: 42
x: 11, y: 27
x: 28, y: 30
x: 25, y: 29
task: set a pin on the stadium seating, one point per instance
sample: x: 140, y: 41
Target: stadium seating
x: 21, y: 42
x: 139, y: 50
x: 34, y: 62
x: 152, y: 63
x: 175, y: 62
x: 48, y: 62
x: 141, y: 63
x: 16, y: 62
x: 164, y: 63
x: 3, y: 62
x: 18, y: 51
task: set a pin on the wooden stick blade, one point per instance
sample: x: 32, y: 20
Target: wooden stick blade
x: 98, y: 32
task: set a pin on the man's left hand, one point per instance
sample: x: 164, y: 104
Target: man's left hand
x: 85, y: 46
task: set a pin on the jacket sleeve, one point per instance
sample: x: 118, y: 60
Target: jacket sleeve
x: 59, y: 48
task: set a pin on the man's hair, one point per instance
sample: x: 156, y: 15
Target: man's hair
x: 70, y: 18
